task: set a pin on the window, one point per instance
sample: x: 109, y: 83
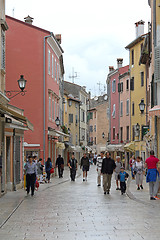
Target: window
x: 49, y: 62
x: 133, y: 109
x: 49, y: 107
x: 82, y: 116
x: 114, y: 111
x: 114, y: 133
x: 120, y: 87
x: 127, y: 84
x: 91, y: 128
x: 142, y: 79
x: 52, y: 109
x: 76, y: 118
x: 132, y: 56
x: 76, y: 139
x: 55, y: 109
x: 57, y: 73
x: 141, y: 47
x: 121, y: 109
x: 95, y: 140
x: 70, y: 103
x: 3, y: 58
x: 132, y: 84
x: 113, y: 86
x: 127, y: 133
x: 127, y: 107
x: 121, y: 132
x: 95, y: 115
x: 52, y: 65
x: 70, y: 118
x: 133, y: 133
x: 95, y: 127
x: 55, y: 68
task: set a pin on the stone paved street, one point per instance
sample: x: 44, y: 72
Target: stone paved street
x: 80, y: 210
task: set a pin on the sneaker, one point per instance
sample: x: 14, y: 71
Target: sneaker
x: 105, y: 193
x: 99, y: 185
x: 138, y: 188
x: 117, y: 188
x: 83, y: 179
x: 141, y: 186
x: 152, y: 198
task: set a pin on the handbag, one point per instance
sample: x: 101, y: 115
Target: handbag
x: 62, y: 166
x: 52, y: 170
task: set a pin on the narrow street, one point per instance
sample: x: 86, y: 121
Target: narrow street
x: 80, y: 210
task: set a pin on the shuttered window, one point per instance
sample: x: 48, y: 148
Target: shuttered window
x: 2, y: 49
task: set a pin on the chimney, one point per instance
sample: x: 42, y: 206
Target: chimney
x: 119, y: 62
x: 139, y: 28
x: 58, y: 38
x: 111, y: 68
x: 28, y: 19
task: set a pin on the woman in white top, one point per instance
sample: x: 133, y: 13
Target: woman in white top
x: 139, y: 168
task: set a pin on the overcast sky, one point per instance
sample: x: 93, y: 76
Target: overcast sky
x: 94, y: 33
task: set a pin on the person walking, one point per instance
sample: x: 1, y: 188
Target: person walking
x: 99, y: 167
x: 85, y: 166
x: 73, y: 167
x: 31, y: 172
x: 139, y: 169
x: 132, y: 164
x: 108, y: 165
x: 48, y: 166
x: 122, y: 176
x: 117, y: 171
x: 95, y: 158
x: 60, y: 164
x: 152, y: 175
x: 40, y: 170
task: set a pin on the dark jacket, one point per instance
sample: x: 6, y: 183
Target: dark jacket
x: 85, y: 161
x: 108, y: 165
x: 59, y: 161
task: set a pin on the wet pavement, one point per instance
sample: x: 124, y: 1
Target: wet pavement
x: 79, y: 210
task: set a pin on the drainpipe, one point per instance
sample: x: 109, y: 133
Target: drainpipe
x: 44, y: 95
x: 14, y: 160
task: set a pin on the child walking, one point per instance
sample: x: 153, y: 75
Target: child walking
x: 122, y: 176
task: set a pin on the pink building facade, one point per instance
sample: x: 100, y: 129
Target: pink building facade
x: 36, y: 54
x: 115, y: 145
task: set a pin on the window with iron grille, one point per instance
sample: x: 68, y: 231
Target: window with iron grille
x: 132, y: 60
x: 127, y: 84
x: 114, y: 133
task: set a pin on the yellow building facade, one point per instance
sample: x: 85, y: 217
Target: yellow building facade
x: 138, y: 83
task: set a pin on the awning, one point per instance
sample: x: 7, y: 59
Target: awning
x: 130, y: 147
x: 55, y: 133
x: 16, y: 116
x: 155, y: 111
x: 114, y: 147
x: 60, y: 145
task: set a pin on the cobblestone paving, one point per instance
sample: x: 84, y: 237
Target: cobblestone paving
x: 79, y: 210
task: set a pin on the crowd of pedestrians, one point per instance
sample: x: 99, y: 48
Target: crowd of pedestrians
x: 105, y: 166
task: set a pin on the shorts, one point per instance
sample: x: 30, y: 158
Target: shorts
x: 85, y: 168
x: 116, y: 176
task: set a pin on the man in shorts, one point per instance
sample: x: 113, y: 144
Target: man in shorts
x: 117, y: 171
x: 85, y: 166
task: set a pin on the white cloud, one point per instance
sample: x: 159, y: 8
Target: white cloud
x: 94, y: 33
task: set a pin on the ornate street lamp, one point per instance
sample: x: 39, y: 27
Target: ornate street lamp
x: 57, y: 121
x: 142, y: 106
x: 22, y: 84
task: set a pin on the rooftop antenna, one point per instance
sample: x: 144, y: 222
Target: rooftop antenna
x: 100, y: 92
x: 74, y: 75
x: 13, y: 12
